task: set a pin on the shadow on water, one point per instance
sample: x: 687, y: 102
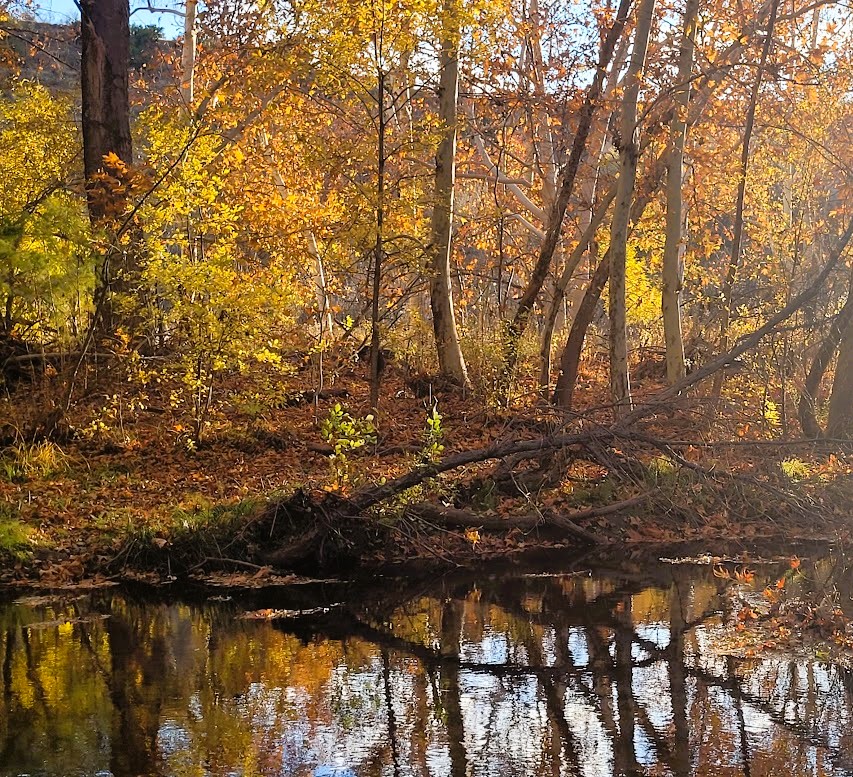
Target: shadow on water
x: 592, y: 672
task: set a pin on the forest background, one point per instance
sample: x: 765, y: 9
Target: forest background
x: 315, y: 283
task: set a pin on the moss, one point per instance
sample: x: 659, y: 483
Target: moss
x: 15, y: 537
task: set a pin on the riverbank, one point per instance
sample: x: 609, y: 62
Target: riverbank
x: 127, y: 495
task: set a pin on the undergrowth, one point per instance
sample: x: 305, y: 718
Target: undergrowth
x: 196, y: 531
x: 26, y: 461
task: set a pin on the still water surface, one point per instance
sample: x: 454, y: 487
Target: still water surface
x: 580, y: 672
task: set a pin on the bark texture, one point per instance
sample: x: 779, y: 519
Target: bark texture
x: 105, y: 40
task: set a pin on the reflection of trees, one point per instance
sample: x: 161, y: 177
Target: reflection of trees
x: 451, y: 628
x: 614, y: 650
x: 534, y: 676
x: 136, y: 684
x: 680, y: 760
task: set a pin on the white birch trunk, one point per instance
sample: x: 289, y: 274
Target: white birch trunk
x: 620, y: 387
x: 674, y: 246
x: 450, y: 359
x: 188, y: 52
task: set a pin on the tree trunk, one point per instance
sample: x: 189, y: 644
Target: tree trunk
x: 105, y: 58
x: 560, y: 287
x: 188, y: 53
x: 379, y: 248
x: 840, y: 422
x: 451, y: 698
x: 450, y: 360
x: 571, y: 356
x: 629, y: 151
x: 105, y: 34
x: 673, y: 252
x: 807, y: 409
x: 572, y: 351
x: 324, y: 304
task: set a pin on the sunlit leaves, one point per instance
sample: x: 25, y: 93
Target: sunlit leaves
x: 46, y: 268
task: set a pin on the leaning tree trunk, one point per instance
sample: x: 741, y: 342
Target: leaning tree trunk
x: 673, y: 251
x: 560, y: 287
x: 571, y: 355
x: 565, y: 186
x: 737, y: 231
x: 573, y: 349
x: 620, y: 388
x: 807, y: 409
x: 450, y: 360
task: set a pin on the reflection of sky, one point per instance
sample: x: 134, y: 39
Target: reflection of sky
x: 793, y: 713
x: 578, y: 648
x: 505, y: 723
x: 594, y: 745
x: 506, y: 718
x: 651, y: 689
x: 493, y: 648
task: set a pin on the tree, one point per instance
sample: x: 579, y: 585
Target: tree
x: 188, y: 53
x: 840, y: 421
x: 450, y: 359
x: 143, y: 40
x: 565, y: 185
x: 105, y: 34
x: 673, y: 251
x: 46, y: 271
x: 629, y: 152
x: 738, y: 228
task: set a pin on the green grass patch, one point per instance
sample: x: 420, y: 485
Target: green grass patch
x: 33, y: 461
x: 194, y: 530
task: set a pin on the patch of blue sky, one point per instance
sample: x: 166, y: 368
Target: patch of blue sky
x: 160, y: 13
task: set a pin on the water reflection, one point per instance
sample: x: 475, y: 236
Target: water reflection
x: 572, y: 674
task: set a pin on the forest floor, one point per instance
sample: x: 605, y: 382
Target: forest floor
x: 127, y: 497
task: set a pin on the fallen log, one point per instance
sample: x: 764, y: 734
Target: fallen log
x: 452, y: 517
x: 369, y: 497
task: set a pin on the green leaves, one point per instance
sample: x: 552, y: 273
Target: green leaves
x: 345, y: 434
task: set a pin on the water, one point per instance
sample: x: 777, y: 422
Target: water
x: 576, y: 673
